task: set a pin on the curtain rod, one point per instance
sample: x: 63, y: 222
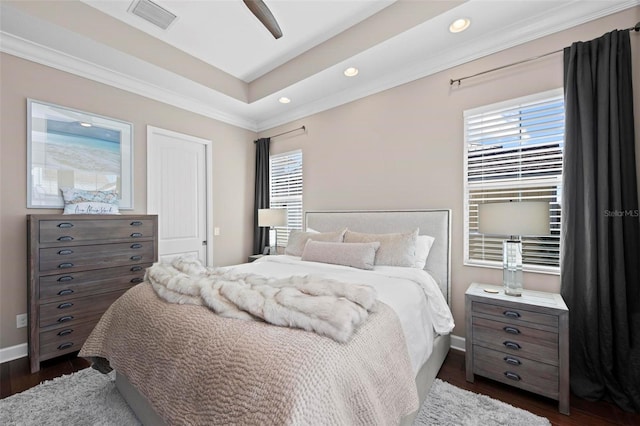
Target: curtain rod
x: 284, y: 133
x: 635, y: 28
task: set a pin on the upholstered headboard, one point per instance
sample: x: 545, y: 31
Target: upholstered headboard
x: 436, y: 223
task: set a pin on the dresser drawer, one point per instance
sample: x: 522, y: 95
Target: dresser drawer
x: 71, y: 258
x: 66, y: 339
x: 515, y: 315
x: 77, y: 284
x: 68, y: 230
x: 518, y: 371
x: 516, y: 339
x: 73, y: 311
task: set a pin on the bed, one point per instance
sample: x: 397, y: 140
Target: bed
x: 380, y: 375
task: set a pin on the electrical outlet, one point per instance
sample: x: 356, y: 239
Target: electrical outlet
x: 21, y: 320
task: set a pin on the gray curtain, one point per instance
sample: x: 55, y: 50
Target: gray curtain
x: 261, y: 200
x: 600, y: 254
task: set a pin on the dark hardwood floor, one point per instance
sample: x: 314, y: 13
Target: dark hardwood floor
x: 15, y: 377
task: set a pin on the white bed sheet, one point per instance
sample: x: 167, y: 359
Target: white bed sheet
x: 412, y: 293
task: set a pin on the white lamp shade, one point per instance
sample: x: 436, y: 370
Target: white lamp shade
x: 514, y: 218
x: 272, y: 217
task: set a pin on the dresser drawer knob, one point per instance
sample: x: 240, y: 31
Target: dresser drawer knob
x: 512, y: 376
x: 65, y: 225
x: 511, y: 330
x: 136, y: 268
x: 65, y: 305
x: 511, y: 345
x: 136, y: 235
x: 136, y: 223
x: 65, y: 252
x: 136, y: 246
x: 65, y: 332
x: 66, y: 345
x: 137, y: 280
x: 65, y: 278
x: 511, y: 360
x: 65, y: 238
x: 65, y: 265
x: 65, y: 318
x: 511, y: 314
x: 65, y: 292
x: 136, y: 257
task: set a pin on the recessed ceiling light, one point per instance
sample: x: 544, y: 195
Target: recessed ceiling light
x: 459, y: 25
x: 85, y: 124
x: 284, y: 100
x: 351, y: 72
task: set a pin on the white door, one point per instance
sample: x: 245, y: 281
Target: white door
x: 178, y: 191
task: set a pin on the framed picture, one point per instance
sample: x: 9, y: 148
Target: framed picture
x: 77, y: 149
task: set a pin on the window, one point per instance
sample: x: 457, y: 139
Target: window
x: 513, y: 152
x: 285, y: 171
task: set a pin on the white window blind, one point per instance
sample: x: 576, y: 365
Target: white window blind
x: 513, y: 152
x: 285, y: 171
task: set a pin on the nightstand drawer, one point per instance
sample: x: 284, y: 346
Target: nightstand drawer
x: 534, y: 344
x: 518, y: 371
x: 516, y: 315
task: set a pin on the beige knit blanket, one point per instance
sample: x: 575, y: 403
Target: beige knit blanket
x: 198, y: 368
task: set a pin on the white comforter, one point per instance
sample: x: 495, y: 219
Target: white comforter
x: 412, y: 293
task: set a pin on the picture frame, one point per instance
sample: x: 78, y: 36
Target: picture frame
x: 71, y: 148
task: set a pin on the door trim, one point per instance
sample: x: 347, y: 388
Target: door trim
x: 208, y: 149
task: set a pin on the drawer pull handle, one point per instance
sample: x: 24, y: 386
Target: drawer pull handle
x: 65, y: 238
x: 65, y: 265
x: 65, y: 292
x: 512, y: 376
x: 66, y: 345
x: 65, y: 319
x: 65, y: 332
x: 136, y: 223
x: 136, y: 268
x: 65, y: 305
x: 511, y: 360
x: 65, y: 278
x: 511, y: 330
x: 137, y: 280
x: 65, y: 252
x: 511, y: 314
x: 136, y: 246
x: 135, y: 257
x: 65, y: 225
x: 136, y: 235
x: 511, y: 345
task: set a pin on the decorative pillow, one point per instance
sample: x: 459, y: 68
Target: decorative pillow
x: 297, y: 240
x: 79, y: 201
x: 357, y: 255
x: 395, y: 249
x: 423, y: 246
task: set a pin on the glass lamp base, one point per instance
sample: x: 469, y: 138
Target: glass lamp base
x: 512, y: 267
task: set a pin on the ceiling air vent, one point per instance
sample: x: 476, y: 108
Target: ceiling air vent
x: 153, y: 13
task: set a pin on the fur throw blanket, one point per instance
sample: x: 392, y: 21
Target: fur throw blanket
x: 325, y: 306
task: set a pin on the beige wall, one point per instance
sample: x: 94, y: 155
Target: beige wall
x: 403, y: 148
x: 233, y: 168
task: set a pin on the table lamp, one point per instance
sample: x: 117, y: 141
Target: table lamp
x: 270, y: 218
x: 516, y: 218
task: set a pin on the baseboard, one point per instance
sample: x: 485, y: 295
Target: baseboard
x: 457, y: 343
x: 13, y: 352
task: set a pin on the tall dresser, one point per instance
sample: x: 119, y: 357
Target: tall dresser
x: 77, y: 266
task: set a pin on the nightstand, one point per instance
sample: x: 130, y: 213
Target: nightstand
x: 255, y: 257
x: 521, y: 341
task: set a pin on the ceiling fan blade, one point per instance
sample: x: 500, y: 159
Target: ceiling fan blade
x: 264, y: 15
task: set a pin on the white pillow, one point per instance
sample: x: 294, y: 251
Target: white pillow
x: 395, y: 249
x: 357, y: 255
x: 80, y: 201
x: 297, y: 240
x: 423, y: 246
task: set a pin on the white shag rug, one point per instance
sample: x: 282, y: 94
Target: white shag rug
x: 89, y: 398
